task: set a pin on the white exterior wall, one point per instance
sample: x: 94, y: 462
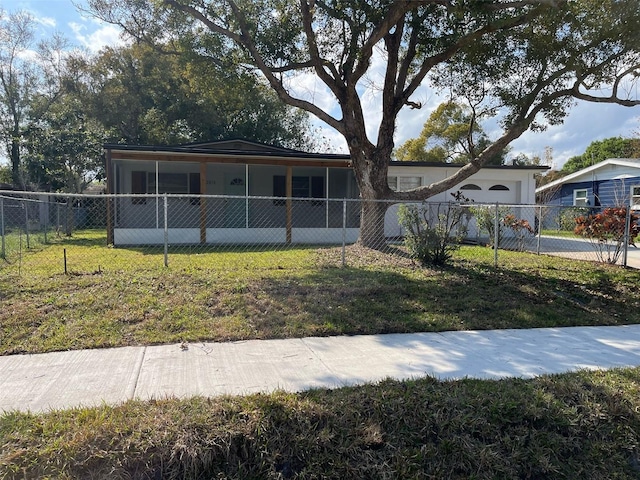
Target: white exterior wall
x: 520, y: 182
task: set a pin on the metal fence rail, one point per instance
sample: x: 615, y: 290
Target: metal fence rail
x: 159, y: 226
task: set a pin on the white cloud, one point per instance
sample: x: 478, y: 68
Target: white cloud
x: 48, y: 22
x: 94, y: 41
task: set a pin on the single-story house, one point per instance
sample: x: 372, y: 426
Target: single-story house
x: 610, y: 183
x: 257, y: 193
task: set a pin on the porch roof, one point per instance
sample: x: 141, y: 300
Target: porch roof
x: 202, y: 153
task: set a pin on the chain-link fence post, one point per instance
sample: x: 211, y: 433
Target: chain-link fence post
x: 344, y: 231
x: 166, y: 232
x: 539, y: 227
x: 627, y: 232
x: 45, y: 222
x: 26, y: 223
x: 4, y: 252
x: 496, y: 235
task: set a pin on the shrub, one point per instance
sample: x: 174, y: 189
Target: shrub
x: 432, y: 241
x: 567, y: 217
x: 520, y: 227
x: 606, y: 231
x: 486, y: 217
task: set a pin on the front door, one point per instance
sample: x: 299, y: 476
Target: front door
x: 235, y: 212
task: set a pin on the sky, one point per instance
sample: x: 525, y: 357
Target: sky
x: 587, y: 121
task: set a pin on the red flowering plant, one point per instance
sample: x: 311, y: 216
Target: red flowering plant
x: 520, y: 228
x: 606, y: 231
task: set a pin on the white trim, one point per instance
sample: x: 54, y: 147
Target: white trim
x: 625, y: 162
x: 585, y: 198
x: 634, y: 197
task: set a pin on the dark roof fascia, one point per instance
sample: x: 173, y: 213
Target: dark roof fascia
x: 398, y: 163
x: 240, y: 153
x: 238, y: 139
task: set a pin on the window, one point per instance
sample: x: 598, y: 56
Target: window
x: 635, y: 197
x: 169, y: 183
x: 470, y: 186
x: 580, y: 198
x: 139, y: 186
x: 402, y: 184
x: 409, y: 183
x: 302, y: 187
x: 499, y: 187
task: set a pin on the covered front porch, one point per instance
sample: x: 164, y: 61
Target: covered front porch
x: 214, y: 198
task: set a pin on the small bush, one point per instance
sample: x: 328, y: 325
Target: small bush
x: 567, y: 217
x: 520, y: 227
x: 486, y: 220
x: 432, y: 238
x: 606, y: 230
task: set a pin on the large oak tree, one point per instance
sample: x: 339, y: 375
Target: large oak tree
x: 524, y: 61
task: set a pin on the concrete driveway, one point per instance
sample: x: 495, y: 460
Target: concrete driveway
x: 578, y: 248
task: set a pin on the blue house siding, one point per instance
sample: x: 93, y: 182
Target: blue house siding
x: 605, y: 193
x: 616, y: 192
x: 566, y: 193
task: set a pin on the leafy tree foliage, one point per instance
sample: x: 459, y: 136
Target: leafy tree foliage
x: 600, y: 150
x: 64, y: 149
x: 450, y: 135
x: 149, y: 95
x: 30, y: 81
x: 523, y: 62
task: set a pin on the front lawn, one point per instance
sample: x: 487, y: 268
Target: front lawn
x: 115, y: 297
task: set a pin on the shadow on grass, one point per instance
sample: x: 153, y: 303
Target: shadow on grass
x: 158, y: 305
x: 359, y: 301
x: 581, y: 425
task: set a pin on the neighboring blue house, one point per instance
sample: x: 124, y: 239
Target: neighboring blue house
x: 611, y: 183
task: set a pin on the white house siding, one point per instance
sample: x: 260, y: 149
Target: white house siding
x: 520, y: 182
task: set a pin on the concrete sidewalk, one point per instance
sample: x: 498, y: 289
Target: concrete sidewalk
x: 91, y: 377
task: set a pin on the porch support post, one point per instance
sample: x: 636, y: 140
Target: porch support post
x: 203, y: 203
x: 246, y: 196
x: 110, y: 190
x: 326, y: 209
x: 289, y: 204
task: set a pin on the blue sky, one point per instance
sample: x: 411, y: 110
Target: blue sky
x: 586, y: 123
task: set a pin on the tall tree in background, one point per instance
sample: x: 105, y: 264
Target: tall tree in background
x: 451, y: 134
x: 146, y: 94
x: 64, y: 149
x: 524, y: 62
x: 600, y: 150
x: 30, y: 82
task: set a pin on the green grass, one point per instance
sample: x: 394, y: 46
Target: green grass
x: 115, y: 297
x: 582, y: 425
x: 560, y: 233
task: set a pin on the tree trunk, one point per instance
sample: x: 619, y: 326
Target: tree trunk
x: 15, y: 164
x: 70, y: 220
x: 372, y: 214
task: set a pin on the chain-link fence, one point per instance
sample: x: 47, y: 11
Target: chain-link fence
x: 51, y: 233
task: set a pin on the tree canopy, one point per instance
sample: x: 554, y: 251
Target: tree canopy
x: 600, y: 150
x: 59, y: 105
x: 31, y: 76
x: 155, y: 94
x: 450, y: 135
x: 523, y: 62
